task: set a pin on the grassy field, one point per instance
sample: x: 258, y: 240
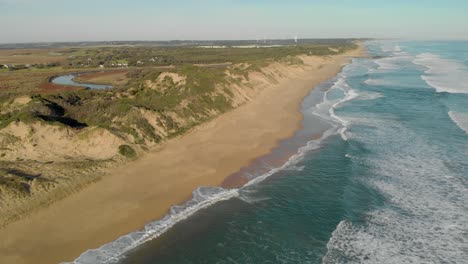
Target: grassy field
x: 138, y: 56
x: 31, y: 56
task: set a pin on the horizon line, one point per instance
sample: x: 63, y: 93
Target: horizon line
x: 229, y: 40
x: 181, y: 40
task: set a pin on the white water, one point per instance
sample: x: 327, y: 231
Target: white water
x: 443, y: 75
x: 461, y: 119
x: 390, y: 64
x: 428, y: 219
x: 112, y: 252
x: 425, y: 217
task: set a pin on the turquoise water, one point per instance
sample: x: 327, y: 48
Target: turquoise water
x: 386, y: 183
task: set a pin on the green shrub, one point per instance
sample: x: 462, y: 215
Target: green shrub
x: 127, y: 151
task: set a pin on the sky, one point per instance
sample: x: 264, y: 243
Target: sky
x: 100, y: 20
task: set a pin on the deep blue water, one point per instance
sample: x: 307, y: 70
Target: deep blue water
x: 387, y: 183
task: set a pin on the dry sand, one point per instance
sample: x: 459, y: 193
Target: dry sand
x: 114, y: 77
x: 143, y: 190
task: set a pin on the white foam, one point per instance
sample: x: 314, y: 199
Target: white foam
x: 397, y: 48
x: 350, y: 94
x: 388, y: 46
x: 112, y: 252
x: 339, y: 123
x: 295, y: 168
x: 325, y: 109
x: 293, y: 160
x: 443, y: 75
x: 338, y: 126
x: 425, y: 216
x: 461, y: 119
x: 365, y: 96
x: 387, y: 64
x: 372, y: 81
x: 252, y: 199
x: 390, y: 64
x: 377, y: 82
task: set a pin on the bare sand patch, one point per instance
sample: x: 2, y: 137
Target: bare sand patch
x: 22, y: 100
x: 45, y: 143
x: 118, y: 77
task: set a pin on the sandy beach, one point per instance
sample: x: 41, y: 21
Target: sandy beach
x: 142, y: 191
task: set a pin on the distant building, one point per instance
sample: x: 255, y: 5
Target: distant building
x: 212, y: 47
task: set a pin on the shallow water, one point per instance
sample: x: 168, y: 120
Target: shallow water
x: 68, y: 80
x: 386, y: 183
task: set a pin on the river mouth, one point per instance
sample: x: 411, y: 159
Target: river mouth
x: 69, y: 80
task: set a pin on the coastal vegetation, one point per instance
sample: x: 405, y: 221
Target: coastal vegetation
x: 127, y: 151
x: 56, y: 139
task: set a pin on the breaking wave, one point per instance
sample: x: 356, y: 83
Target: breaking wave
x: 460, y: 119
x: 113, y: 251
x: 443, y: 75
x: 425, y: 218
x: 390, y: 64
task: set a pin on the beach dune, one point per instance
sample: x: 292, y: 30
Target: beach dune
x: 142, y: 191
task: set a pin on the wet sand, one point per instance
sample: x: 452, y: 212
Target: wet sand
x: 143, y: 190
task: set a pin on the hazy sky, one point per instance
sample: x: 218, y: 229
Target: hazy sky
x: 82, y: 20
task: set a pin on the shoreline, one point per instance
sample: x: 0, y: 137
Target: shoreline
x: 121, y: 202
x: 238, y: 180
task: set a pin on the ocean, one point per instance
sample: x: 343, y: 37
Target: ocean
x: 379, y: 175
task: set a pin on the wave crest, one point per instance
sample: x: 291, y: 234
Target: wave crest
x: 442, y: 74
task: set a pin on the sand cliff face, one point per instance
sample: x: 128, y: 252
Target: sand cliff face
x: 41, y: 162
x: 44, y: 143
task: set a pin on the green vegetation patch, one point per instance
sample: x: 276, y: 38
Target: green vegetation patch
x: 176, y: 55
x: 127, y: 151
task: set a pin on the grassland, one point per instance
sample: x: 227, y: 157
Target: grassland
x: 31, y: 56
x: 138, y: 56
